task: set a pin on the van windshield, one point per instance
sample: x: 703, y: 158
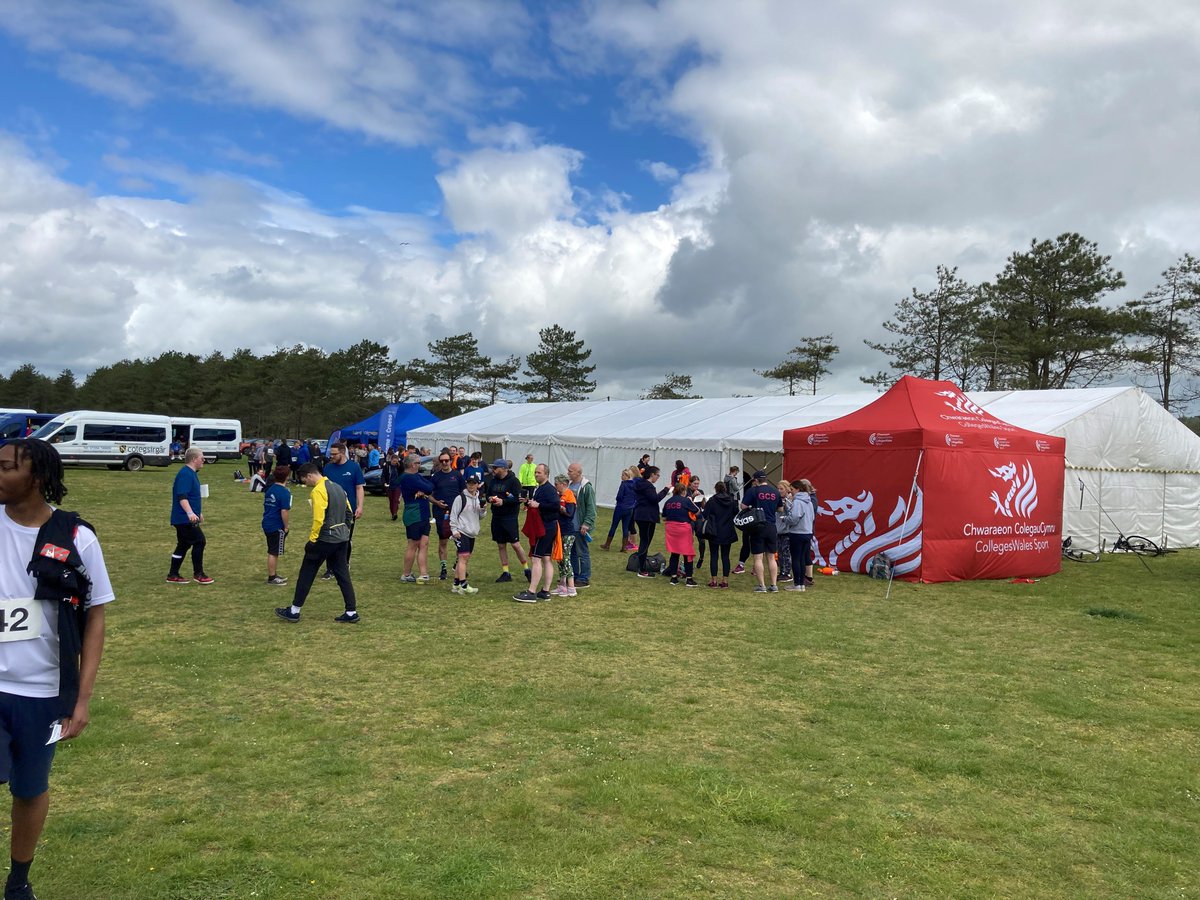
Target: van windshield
x: 48, y: 429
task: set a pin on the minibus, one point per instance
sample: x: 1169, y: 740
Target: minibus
x: 118, y: 440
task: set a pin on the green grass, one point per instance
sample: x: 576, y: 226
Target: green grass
x: 966, y: 740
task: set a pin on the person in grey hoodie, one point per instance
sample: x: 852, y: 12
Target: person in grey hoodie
x: 467, y: 512
x: 799, y: 518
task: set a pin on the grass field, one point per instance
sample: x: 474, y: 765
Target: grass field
x: 968, y: 740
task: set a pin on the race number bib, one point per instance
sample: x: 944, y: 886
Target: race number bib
x: 20, y: 620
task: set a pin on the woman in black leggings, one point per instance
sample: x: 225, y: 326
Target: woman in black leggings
x: 719, y: 511
x: 646, y: 514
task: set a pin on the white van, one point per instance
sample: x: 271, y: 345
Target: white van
x: 218, y: 438
x: 118, y: 440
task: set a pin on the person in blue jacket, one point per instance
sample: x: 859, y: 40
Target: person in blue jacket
x: 623, y: 510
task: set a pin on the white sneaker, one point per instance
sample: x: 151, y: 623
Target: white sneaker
x: 468, y: 589
x: 422, y: 579
x: 456, y: 589
x: 794, y: 587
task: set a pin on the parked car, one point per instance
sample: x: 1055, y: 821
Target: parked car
x: 374, y: 481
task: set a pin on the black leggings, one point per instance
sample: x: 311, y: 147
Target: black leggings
x: 713, y: 549
x: 744, y: 553
x: 188, y: 537
x: 645, y: 536
x: 673, y: 566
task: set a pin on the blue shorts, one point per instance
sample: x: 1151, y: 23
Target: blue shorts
x: 24, y: 755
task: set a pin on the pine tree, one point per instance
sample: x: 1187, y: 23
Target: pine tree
x: 1047, y: 320
x: 936, y: 335
x: 804, y: 364
x: 453, y: 368
x: 557, y: 370
x: 497, y: 376
x: 1167, y: 321
x: 673, y: 387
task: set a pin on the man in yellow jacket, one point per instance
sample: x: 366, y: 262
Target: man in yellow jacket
x: 525, y: 476
x: 328, y: 542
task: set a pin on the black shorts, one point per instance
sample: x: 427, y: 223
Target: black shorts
x: 418, y: 530
x: 464, y: 544
x: 545, y: 544
x: 506, y: 531
x: 25, y: 757
x: 275, y: 541
x: 764, y: 539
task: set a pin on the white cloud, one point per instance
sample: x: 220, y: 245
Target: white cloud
x: 846, y: 150
x: 506, y: 194
x: 661, y: 171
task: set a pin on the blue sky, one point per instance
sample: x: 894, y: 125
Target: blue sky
x: 691, y: 186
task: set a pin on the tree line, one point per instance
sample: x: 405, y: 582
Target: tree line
x: 1045, y: 321
x: 304, y: 391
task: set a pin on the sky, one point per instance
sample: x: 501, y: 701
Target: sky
x: 691, y: 186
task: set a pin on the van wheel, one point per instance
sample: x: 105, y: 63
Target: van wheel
x: 135, y: 464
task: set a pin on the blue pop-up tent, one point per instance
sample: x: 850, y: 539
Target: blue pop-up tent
x: 389, y: 427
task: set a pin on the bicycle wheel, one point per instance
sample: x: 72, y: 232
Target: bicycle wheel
x: 1142, y: 546
x: 1086, y: 556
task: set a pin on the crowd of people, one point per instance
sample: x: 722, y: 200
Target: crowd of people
x: 444, y: 501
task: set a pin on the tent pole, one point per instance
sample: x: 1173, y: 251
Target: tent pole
x: 903, y: 525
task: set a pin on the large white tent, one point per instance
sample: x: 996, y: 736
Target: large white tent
x: 1139, y: 467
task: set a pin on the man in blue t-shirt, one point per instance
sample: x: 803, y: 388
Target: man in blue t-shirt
x: 348, y: 474
x: 187, y: 519
x: 277, y: 504
x: 372, y: 456
x: 415, y: 488
x: 448, y: 484
x: 764, y: 539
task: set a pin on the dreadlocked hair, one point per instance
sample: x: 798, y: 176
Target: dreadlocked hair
x: 46, y: 465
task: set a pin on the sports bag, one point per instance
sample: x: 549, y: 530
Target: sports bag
x: 750, y: 518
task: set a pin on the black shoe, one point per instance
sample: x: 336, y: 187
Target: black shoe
x: 285, y: 613
x: 582, y: 583
x: 674, y: 580
x: 393, y: 518
x: 276, y: 580
x: 525, y: 597
x: 347, y: 617
x: 543, y: 595
x: 24, y: 892
x: 504, y: 576
x: 327, y: 576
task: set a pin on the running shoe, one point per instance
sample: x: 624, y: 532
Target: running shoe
x: 348, y: 618
x: 178, y: 579
x: 285, y: 613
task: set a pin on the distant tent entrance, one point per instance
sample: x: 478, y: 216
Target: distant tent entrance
x: 771, y: 463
